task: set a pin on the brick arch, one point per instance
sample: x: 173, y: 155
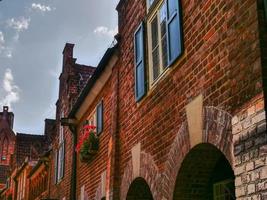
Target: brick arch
x: 148, y: 171
x: 216, y: 131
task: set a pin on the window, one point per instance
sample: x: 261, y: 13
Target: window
x: 55, y: 166
x: 96, y: 118
x: 61, y: 153
x: 4, y: 152
x: 165, y: 43
x: 265, y: 8
x: 99, y: 118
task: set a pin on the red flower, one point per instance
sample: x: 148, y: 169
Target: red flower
x: 87, y: 129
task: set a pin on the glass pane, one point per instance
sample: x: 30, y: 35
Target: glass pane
x: 99, y: 118
x: 150, y: 2
x: 163, y: 22
x: 140, y: 79
x: 138, y: 46
x: 174, y: 38
x: 156, y: 64
x: 172, y: 7
x: 154, y: 32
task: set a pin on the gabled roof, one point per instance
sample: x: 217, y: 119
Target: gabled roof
x: 91, y: 82
x: 31, y: 146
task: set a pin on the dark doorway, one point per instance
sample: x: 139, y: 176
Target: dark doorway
x: 139, y: 190
x: 205, y: 174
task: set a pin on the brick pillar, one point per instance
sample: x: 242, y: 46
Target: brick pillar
x: 250, y: 150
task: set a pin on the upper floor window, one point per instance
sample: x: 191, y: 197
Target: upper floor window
x: 165, y: 43
x: 4, y: 150
x: 60, y: 154
x: 96, y: 118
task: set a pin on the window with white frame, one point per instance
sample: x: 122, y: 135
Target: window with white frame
x: 96, y: 118
x: 163, y: 30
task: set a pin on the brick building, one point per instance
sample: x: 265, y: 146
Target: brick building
x: 179, y: 105
x: 182, y: 109
x: 38, y: 179
x: 7, y: 144
x: 20, y: 152
x: 71, y: 82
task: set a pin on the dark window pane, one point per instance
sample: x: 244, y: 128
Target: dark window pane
x: 140, y: 79
x: 163, y: 22
x: 99, y: 118
x: 164, y: 51
x: 154, y: 32
x: 156, y: 64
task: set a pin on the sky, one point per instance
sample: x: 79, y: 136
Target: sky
x: 32, y: 36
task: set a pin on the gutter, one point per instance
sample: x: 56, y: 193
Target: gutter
x: 91, y: 82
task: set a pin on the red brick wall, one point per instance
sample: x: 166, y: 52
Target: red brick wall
x: 222, y: 61
x: 69, y: 88
x: 89, y: 174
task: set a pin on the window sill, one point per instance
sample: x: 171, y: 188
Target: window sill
x: 167, y: 73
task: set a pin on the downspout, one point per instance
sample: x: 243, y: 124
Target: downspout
x: 73, y: 130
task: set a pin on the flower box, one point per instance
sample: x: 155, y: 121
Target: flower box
x: 88, y: 144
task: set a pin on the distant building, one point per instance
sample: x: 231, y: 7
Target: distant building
x: 20, y: 152
x: 7, y: 144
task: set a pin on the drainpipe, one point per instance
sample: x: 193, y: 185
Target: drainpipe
x: 74, y: 164
x: 72, y: 124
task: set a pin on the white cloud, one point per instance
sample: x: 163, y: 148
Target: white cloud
x: 105, y: 31
x: 10, y: 91
x: 4, y: 51
x: 2, y: 41
x: 40, y: 7
x: 20, y: 24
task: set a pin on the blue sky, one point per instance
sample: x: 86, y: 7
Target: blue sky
x: 32, y: 36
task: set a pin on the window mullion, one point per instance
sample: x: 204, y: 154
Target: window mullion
x: 160, y: 43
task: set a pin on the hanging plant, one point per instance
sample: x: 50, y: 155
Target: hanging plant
x: 88, y: 144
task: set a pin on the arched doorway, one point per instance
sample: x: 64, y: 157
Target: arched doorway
x: 205, y: 174
x: 139, y: 190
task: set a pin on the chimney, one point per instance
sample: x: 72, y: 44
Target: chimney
x: 67, y: 52
x: 7, y: 116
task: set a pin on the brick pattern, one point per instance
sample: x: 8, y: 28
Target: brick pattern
x: 222, y: 61
x: 250, y: 144
x: 148, y: 171
x: 72, y: 80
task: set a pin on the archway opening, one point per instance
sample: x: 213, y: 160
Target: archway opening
x: 205, y: 174
x: 139, y: 190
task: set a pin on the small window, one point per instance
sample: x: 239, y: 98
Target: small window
x: 99, y: 118
x: 55, y: 166
x: 265, y: 9
x: 61, y: 152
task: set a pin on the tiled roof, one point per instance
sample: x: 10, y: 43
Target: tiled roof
x: 4, y: 171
